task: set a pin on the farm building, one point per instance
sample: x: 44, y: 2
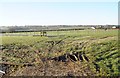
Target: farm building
x: 92, y: 27
x: 114, y: 27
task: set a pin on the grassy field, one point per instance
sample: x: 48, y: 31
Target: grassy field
x: 100, y: 47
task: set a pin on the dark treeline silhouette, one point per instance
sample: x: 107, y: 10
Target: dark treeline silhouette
x: 37, y: 28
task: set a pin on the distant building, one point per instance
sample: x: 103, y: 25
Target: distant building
x: 114, y: 27
x: 92, y: 27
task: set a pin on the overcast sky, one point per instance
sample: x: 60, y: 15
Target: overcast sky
x: 58, y: 13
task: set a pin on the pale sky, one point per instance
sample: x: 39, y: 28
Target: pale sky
x: 65, y: 12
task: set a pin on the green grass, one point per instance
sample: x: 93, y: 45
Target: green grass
x: 100, y: 46
x: 28, y: 40
x: 106, y: 57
